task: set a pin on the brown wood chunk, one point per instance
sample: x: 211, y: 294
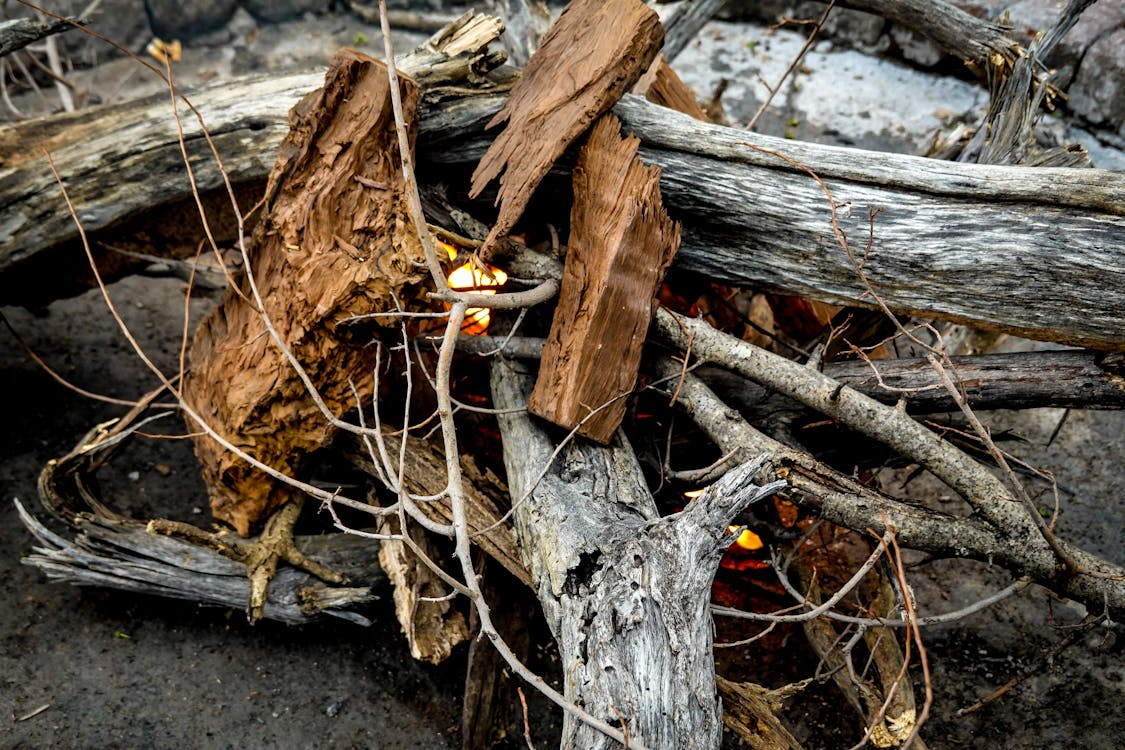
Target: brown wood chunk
x: 589, y: 58
x: 333, y: 242
x: 662, y: 85
x: 621, y: 244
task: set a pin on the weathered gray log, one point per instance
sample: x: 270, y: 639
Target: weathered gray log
x: 624, y: 591
x: 1033, y: 251
x: 17, y: 33
x: 96, y: 546
x: 1023, y: 380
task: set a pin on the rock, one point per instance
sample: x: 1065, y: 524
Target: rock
x: 915, y: 47
x: 1029, y: 17
x: 1098, y: 92
x: 278, y: 11
x: 178, y: 19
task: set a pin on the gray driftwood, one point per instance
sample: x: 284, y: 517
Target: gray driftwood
x: 624, y: 591
x: 92, y: 545
x: 1035, y: 251
x: 1068, y: 379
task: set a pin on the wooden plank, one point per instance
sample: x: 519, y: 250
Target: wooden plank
x: 588, y: 59
x: 621, y: 243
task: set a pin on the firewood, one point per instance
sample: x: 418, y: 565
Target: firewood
x: 588, y: 59
x: 621, y: 243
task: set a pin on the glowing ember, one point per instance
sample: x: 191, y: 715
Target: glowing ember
x: 471, y: 277
x: 747, y: 540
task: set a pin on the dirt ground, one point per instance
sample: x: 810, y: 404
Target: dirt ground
x: 92, y: 668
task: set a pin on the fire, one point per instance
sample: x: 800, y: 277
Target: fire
x: 470, y: 276
x: 747, y: 540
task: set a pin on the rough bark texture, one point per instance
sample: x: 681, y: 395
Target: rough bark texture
x: 98, y: 547
x: 624, y: 591
x: 335, y: 241
x: 621, y: 243
x: 1011, y: 248
x: 432, y: 625
x: 588, y: 59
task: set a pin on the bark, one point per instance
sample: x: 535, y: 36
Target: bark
x: 1010, y: 248
x: 1027, y: 380
x: 588, y: 59
x: 621, y: 243
x: 624, y: 591
x: 17, y: 33
x: 341, y: 157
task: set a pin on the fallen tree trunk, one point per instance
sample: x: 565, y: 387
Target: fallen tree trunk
x: 1011, y: 248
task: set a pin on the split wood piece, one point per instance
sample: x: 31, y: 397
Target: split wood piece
x: 750, y: 711
x: 621, y: 243
x: 433, y: 626
x: 593, y: 53
x: 332, y: 244
x: 625, y: 591
x: 663, y: 86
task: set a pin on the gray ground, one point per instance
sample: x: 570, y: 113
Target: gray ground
x: 116, y: 670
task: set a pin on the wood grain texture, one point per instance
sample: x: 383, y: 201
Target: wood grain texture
x: 313, y: 270
x: 1036, y: 251
x: 621, y: 243
x: 593, y: 53
x: 624, y: 591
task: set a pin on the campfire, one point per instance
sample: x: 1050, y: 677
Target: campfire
x: 487, y: 393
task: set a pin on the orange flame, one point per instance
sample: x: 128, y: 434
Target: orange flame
x: 470, y: 276
x: 748, y: 540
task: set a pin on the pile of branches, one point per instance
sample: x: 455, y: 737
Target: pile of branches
x: 341, y: 330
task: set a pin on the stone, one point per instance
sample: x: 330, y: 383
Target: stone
x: 177, y: 19
x: 1098, y: 92
x: 1029, y: 17
x: 279, y: 11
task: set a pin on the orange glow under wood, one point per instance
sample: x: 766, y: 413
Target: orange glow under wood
x: 469, y: 276
x: 747, y: 540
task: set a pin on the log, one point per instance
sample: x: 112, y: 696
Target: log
x: 587, y: 60
x: 1024, y: 380
x: 621, y: 243
x: 1010, y: 248
x: 624, y: 591
x: 95, y: 546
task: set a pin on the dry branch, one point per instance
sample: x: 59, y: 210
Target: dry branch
x: 1000, y: 530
